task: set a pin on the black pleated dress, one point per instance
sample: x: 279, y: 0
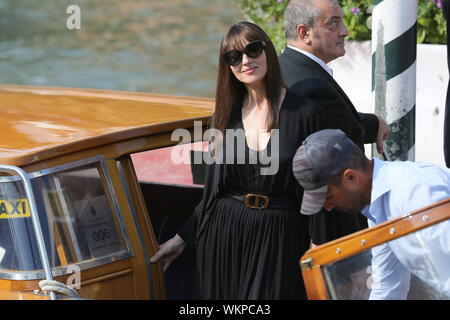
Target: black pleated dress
x: 245, y: 253
x: 248, y: 253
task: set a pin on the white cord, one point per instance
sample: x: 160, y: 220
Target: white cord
x: 57, y: 287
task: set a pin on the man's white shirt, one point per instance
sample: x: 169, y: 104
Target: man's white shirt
x: 399, y: 188
x: 313, y: 57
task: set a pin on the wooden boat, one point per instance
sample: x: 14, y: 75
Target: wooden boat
x: 341, y: 269
x: 73, y: 209
x: 71, y: 206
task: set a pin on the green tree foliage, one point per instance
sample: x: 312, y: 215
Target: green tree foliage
x: 268, y: 14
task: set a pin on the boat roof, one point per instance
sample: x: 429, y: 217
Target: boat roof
x: 43, y: 122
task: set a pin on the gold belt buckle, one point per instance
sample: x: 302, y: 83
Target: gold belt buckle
x: 256, y: 202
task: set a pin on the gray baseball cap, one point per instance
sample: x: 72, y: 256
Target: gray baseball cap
x: 320, y: 158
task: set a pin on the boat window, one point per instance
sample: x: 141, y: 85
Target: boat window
x: 176, y: 165
x: 18, y: 250
x: 425, y: 253
x: 77, y: 216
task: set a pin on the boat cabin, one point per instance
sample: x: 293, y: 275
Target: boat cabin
x: 72, y: 207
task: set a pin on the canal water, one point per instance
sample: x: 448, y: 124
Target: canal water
x: 155, y: 46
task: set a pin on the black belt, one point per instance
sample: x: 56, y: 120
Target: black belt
x: 259, y: 201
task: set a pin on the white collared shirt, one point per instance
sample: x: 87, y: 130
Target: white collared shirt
x: 399, y: 188
x: 313, y: 57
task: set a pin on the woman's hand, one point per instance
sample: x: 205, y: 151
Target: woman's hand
x: 169, y: 251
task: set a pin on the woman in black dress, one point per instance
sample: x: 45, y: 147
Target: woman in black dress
x: 248, y: 230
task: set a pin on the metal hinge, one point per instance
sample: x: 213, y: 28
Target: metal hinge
x: 306, y: 264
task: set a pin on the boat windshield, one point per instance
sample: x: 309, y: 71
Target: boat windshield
x: 414, y: 267
x: 77, y: 215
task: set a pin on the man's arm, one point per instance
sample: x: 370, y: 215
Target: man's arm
x: 377, y: 130
x: 371, y: 124
x: 423, y: 186
x: 329, y: 108
x: 390, y: 279
x: 341, y: 115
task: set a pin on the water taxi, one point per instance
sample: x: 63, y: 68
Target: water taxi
x: 72, y: 208
x: 77, y: 206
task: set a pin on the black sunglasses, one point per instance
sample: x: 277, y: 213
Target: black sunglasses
x: 253, y: 50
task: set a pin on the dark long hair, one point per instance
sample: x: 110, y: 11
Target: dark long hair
x: 230, y: 92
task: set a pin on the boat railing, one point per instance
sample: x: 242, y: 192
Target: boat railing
x: 35, y: 219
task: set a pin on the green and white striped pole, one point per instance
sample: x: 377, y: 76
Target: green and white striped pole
x: 394, y: 50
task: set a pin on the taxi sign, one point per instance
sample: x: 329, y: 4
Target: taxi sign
x: 14, y: 208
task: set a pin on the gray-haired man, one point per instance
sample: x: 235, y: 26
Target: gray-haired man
x: 315, y: 35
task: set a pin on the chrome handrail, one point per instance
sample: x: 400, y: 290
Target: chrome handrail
x: 35, y: 220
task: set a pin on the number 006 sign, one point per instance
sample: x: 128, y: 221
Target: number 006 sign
x: 98, y: 225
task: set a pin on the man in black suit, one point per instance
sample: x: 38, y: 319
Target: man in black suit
x: 446, y: 12
x: 315, y: 35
